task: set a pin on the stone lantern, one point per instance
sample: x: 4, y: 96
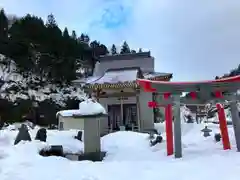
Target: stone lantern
x: 89, y: 123
x: 206, y: 131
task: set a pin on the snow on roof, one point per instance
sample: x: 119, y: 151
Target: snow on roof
x: 121, y: 75
x: 149, y: 75
x: 87, y: 107
x: 117, y: 76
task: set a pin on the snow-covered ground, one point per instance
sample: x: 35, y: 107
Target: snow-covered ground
x: 129, y: 157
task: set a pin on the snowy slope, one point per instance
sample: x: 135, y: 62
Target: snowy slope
x: 16, y: 86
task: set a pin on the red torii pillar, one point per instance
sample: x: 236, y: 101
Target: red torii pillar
x: 222, y: 122
x: 169, y: 126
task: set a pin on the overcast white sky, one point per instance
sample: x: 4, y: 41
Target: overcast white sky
x: 193, y: 39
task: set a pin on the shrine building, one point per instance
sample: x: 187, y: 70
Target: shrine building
x: 114, y: 85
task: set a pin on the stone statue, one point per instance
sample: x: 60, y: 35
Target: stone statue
x: 79, y: 136
x: 23, y: 134
x: 41, y: 135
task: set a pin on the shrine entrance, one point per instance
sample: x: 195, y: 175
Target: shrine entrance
x: 125, y: 117
x: 217, y: 91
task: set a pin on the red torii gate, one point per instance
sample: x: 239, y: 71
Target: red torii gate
x: 223, y: 89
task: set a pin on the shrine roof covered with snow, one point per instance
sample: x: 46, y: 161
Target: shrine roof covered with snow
x: 124, y: 77
x: 122, y: 71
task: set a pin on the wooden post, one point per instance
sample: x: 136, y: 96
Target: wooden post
x: 138, y: 110
x: 121, y: 104
x: 236, y: 122
x: 97, y: 94
x: 177, y: 127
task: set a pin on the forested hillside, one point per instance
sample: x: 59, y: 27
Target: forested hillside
x: 38, y: 61
x: 233, y: 72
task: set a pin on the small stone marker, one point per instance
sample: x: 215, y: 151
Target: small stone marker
x: 151, y: 132
x: 79, y: 136
x: 55, y: 150
x: 23, y: 134
x: 206, y: 131
x: 217, y: 137
x: 189, y: 119
x: 41, y: 135
x: 157, y: 140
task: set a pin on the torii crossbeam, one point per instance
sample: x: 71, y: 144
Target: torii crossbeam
x: 218, y: 91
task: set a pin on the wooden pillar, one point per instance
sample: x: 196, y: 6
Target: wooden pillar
x: 121, y: 104
x: 177, y: 127
x: 138, y: 110
x: 236, y: 122
x: 97, y: 95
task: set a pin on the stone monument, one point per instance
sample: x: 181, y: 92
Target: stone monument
x: 90, y: 112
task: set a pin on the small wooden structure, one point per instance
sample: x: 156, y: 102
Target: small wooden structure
x: 114, y: 86
x: 201, y: 92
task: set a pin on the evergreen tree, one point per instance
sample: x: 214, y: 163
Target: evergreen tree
x: 234, y: 72
x: 84, y: 38
x: 44, y: 50
x: 74, y: 35
x: 3, y: 26
x: 140, y: 50
x: 51, y: 22
x: 54, y: 39
x: 113, y: 49
x: 98, y: 48
x: 87, y: 39
x: 3, y: 32
x: 125, y: 48
x: 65, y: 33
